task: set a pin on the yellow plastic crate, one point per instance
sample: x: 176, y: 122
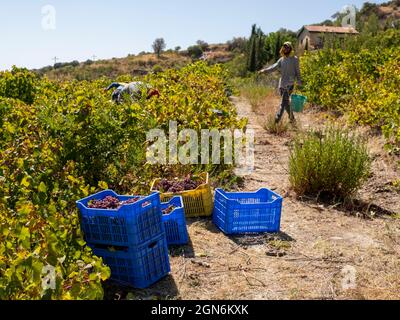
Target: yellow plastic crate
x: 198, y: 203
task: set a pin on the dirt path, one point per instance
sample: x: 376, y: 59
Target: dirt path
x: 322, y: 252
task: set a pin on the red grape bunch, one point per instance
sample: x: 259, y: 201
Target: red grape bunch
x: 110, y: 203
x: 176, y: 186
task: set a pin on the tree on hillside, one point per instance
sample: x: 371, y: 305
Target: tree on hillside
x: 203, y: 45
x: 195, y: 52
x: 278, y: 45
x: 263, y: 48
x: 372, y: 25
x: 237, y: 44
x: 392, y: 23
x: 327, y: 22
x: 158, y: 46
x: 368, y: 8
x: 277, y: 39
x: 261, y: 51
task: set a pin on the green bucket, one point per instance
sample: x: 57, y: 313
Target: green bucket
x: 298, y: 102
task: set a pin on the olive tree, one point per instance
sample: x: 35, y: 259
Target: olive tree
x: 158, y: 46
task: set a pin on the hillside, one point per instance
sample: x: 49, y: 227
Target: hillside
x: 385, y: 11
x: 135, y: 65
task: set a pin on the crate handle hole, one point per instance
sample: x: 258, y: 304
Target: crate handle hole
x: 146, y: 204
x: 152, y: 245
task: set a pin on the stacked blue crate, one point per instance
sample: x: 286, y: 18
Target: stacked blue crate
x: 140, y: 266
x: 131, y: 240
x: 175, y: 222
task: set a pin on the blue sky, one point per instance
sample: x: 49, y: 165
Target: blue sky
x: 114, y: 29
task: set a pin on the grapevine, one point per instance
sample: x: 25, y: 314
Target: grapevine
x: 61, y: 141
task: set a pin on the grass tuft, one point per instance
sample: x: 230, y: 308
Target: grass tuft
x: 276, y: 128
x: 255, y: 92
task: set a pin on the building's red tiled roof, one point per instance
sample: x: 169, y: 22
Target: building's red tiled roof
x: 328, y: 29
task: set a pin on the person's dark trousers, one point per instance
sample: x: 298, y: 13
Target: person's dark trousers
x: 285, y: 105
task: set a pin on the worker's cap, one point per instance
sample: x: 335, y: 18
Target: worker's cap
x: 288, y: 44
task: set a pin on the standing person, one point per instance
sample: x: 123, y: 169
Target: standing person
x: 133, y: 89
x: 289, y: 67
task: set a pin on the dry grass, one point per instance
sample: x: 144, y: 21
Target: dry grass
x: 272, y: 127
x: 310, y: 266
x: 266, y: 108
x: 255, y: 93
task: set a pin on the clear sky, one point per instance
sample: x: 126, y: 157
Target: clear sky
x: 116, y: 28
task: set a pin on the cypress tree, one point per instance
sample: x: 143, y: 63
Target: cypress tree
x: 260, y: 49
x: 278, y: 46
x: 252, y: 63
x: 252, y: 50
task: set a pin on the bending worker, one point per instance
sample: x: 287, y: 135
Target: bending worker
x: 289, y: 67
x: 134, y: 90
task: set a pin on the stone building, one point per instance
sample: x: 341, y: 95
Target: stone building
x: 314, y: 37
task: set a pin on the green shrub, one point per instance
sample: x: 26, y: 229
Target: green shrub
x: 396, y: 184
x: 195, y: 52
x: 18, y: 84
x: 237, y: 66
x: 333, y: 162
x: 157, y: 68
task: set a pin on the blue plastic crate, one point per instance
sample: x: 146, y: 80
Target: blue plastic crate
x: 175, y: 222
x: 138, y: 267
x: 244, y: 213
x: 130, y: 225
